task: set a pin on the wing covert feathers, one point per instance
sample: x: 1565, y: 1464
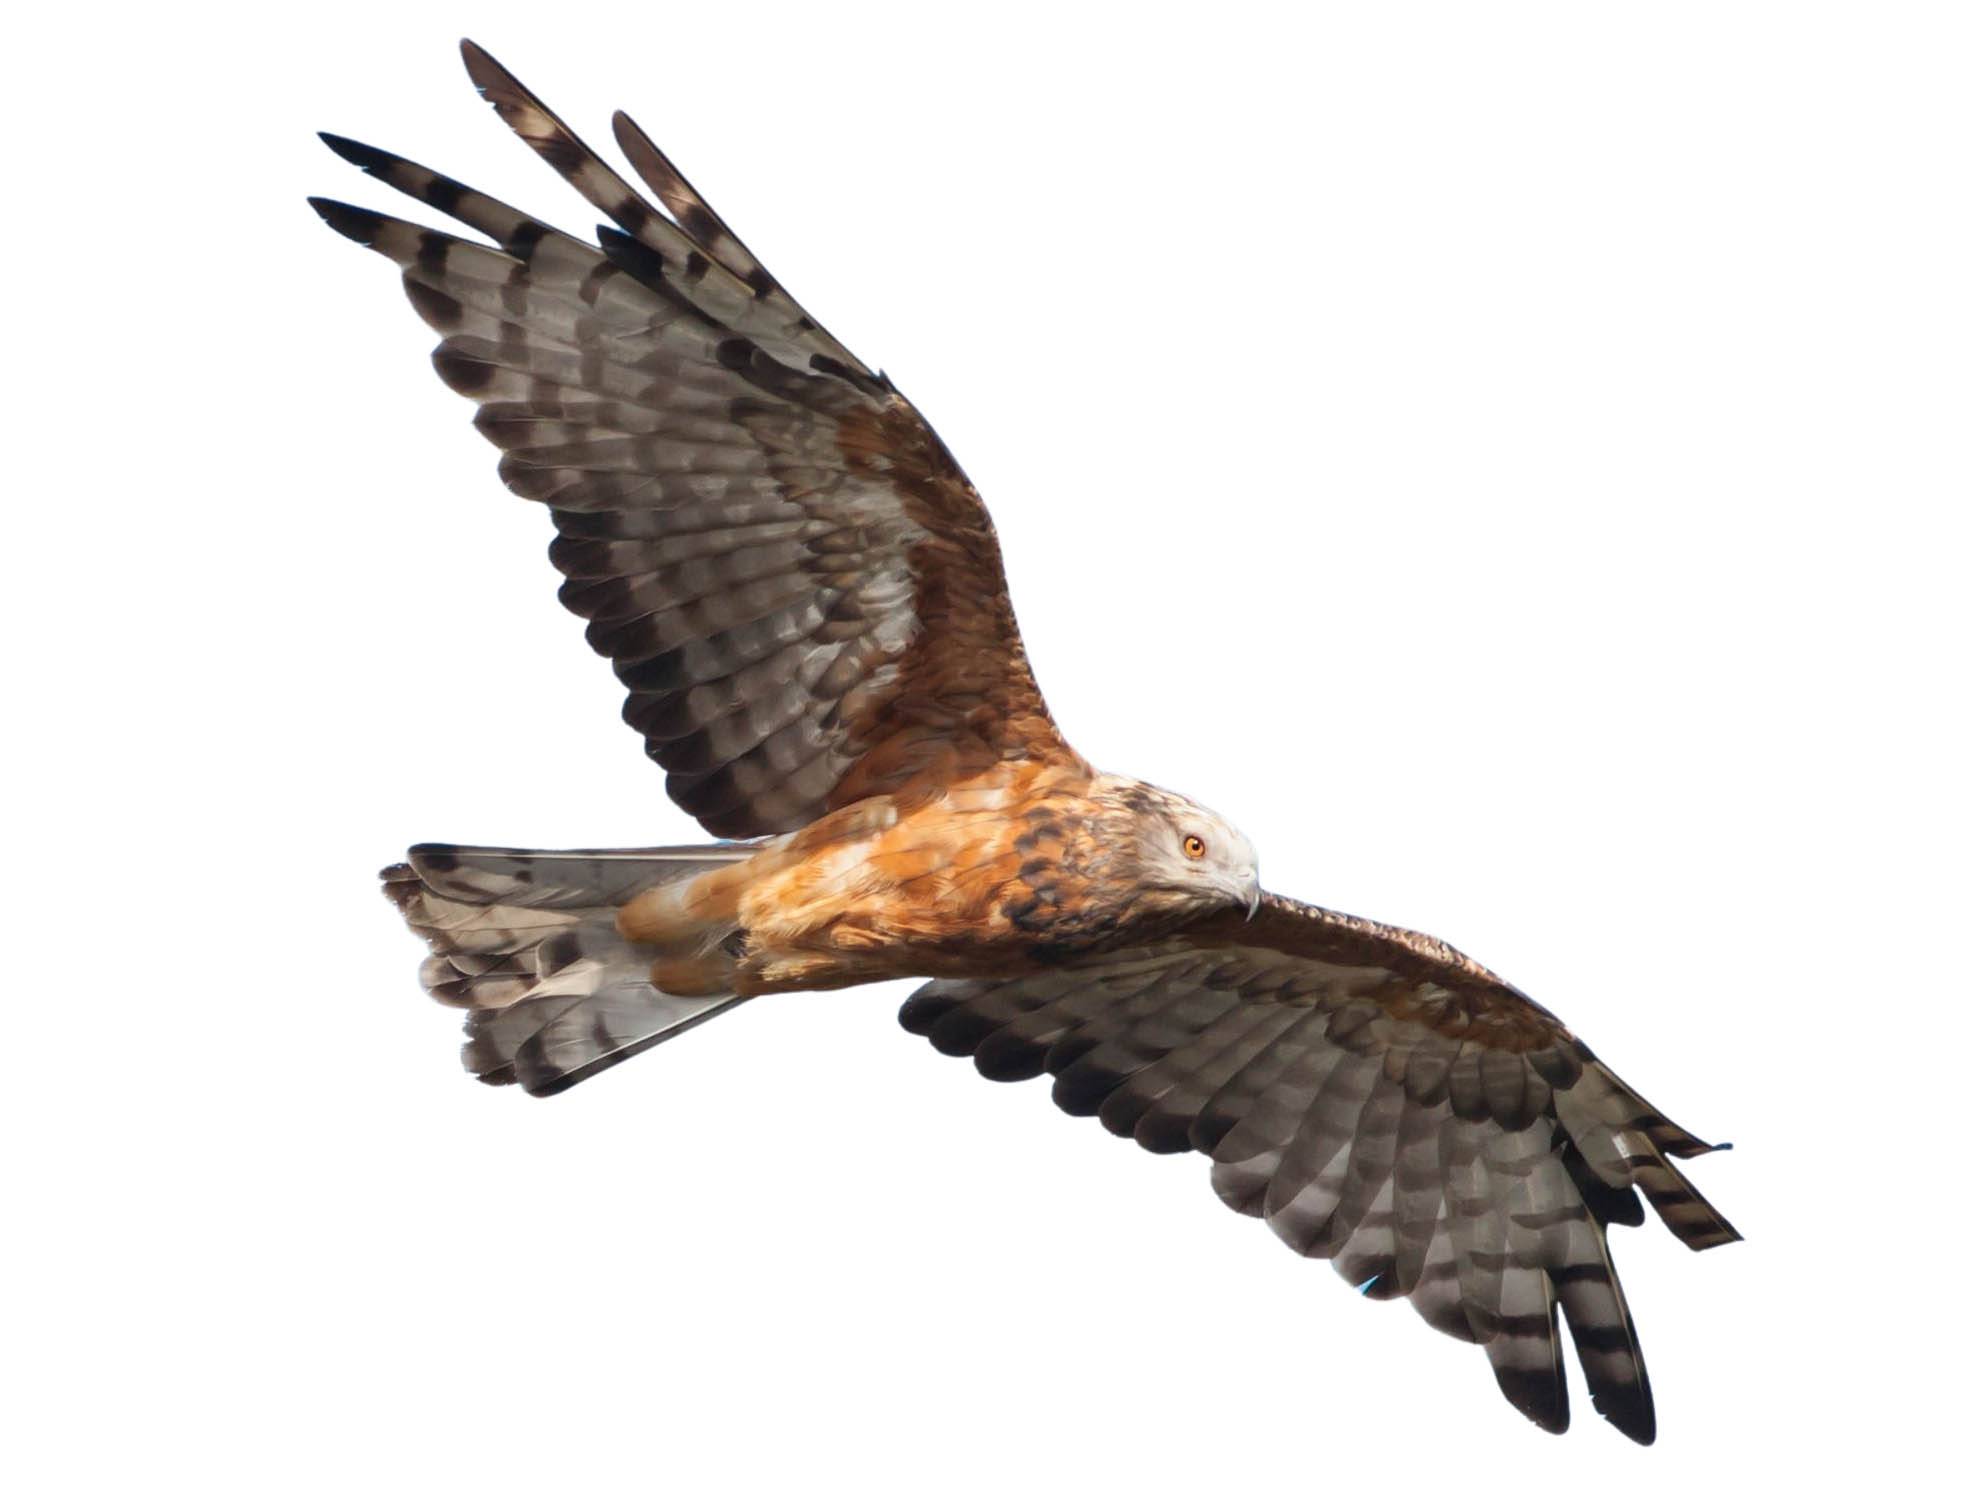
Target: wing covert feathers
x: 800, y: 590
x: 1383, y: 1103
x: 805, y: 600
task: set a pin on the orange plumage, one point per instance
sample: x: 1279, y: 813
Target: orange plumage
x: 805, y: 599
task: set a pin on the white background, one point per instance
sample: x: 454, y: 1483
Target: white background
x: 1520, y: 462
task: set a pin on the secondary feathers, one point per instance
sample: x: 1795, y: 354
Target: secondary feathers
x: 800, y: 590
x: 805, y: 599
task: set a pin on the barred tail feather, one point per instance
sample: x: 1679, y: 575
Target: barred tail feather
x: 526, y: 943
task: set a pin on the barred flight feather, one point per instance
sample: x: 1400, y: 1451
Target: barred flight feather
x: 804, y: 598
x: 1382, y: 1102
x: 663, y: 384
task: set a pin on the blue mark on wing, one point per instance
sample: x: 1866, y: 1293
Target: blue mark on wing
x: 1364, y: 1288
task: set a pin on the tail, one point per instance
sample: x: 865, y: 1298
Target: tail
x: 526, y: 942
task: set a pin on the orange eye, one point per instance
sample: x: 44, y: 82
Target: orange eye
x: 1194, y: 847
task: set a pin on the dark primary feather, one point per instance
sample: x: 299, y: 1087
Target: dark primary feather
x: 801, y: 592
x: 805, y: 600
x: 1382, y: 1102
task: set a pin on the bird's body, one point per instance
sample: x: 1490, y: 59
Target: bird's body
x: 1012, y: 868
x: 805, y: 599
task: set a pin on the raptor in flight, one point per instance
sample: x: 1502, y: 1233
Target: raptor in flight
x: 804, y: 597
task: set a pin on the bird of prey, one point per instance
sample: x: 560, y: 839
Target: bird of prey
x: 804, y: 597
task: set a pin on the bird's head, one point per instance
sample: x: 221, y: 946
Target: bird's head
x: 1186, y: 859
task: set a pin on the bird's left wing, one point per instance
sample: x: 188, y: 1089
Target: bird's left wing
x: 1381, y: 1101
x: 801, y: 591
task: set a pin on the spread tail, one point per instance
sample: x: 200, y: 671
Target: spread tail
x: 527, y: 942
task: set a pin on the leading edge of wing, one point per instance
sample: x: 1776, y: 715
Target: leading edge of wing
x: 1381, y: 1101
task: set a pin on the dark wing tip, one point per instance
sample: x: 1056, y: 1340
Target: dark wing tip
x: 484, y: 71
x: 926, y: 1006
x: 1544, y: 1404
x: 356, y: 223
x: 366, y: 157
x: 1631, y: 1421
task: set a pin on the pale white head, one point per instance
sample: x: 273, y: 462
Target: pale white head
x: 1185, y: 856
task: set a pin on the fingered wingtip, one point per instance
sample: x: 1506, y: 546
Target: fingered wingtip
x: 1642, y: 1433
x: 483, y: 69
x: 366, y: 157
x: 1634, y: 1419
x: 355, y: 223
x: 632, y: 138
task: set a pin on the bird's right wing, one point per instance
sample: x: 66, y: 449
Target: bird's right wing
x: 1382, y: 1102
x: 799, y: 587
